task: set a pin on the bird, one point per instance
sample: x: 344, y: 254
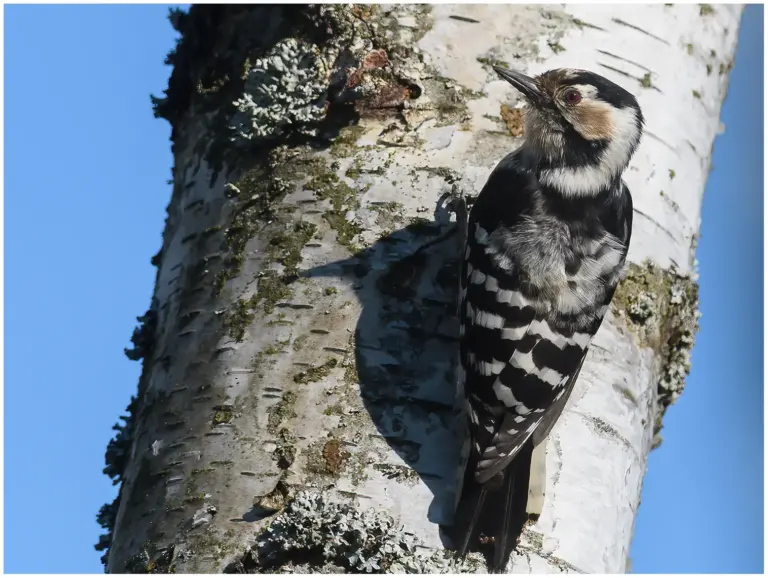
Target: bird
x: 546, y: 245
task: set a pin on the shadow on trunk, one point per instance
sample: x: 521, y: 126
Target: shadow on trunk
x: 406, y: 350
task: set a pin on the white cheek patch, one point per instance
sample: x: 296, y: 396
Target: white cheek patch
x: 591, y: 179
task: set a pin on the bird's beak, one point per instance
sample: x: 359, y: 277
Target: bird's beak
x: 521, y: 82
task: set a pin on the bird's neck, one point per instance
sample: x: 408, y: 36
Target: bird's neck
x: 578, y: 175
x: 567, y: 162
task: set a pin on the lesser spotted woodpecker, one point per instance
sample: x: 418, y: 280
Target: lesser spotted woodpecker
x: 547, y: 240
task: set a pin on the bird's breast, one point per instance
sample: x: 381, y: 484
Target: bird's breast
x: 556, y: 269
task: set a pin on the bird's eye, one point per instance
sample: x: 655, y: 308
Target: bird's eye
x: 572, y: 96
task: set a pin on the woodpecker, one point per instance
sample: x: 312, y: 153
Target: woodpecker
x: 547, y: 240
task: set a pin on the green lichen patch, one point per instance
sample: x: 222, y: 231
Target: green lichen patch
x: 312, y: 532
x: 210, y: 542
x: 281, y: 319
x: 449, y: 101
x: 238, y: 319
x: 257, y: 195
x: 277, y: 347
x: 343, y: 199
x: 706, y: 9
x: 343, y: 145
x: 285, y: 247
x: 351, y: 376
x: 645, y: 81
x: 281, y: 411
x: 223, y: 414
x: 334, y: 409
x: 661, y: 307
x: 272, y: 288
x: 696, y: 94
x: 316, y: 373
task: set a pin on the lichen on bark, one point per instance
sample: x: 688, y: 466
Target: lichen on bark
x: 316, y: 535
x: 661, y: 307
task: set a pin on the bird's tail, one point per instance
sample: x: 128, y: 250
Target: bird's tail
x: 494, y: 513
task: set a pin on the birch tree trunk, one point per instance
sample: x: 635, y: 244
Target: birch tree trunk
x: 296, y: 409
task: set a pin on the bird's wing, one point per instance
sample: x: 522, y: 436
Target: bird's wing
x: 517, y: 367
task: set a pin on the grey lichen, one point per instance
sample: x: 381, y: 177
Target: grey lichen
x: 284, y: 90
x: 118, y: 450
x: 143, y: 337
x: 641, y: 306
x: 661, y: 307
x: 314, y: 534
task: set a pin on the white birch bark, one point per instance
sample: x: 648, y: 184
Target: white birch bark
x: 223, y: 423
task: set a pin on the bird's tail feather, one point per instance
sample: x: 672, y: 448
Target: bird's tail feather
x: 497, y: 511
x: 468, y: 514
x: 515, y: 498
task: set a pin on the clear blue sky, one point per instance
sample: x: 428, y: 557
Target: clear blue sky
x: 86, y: 166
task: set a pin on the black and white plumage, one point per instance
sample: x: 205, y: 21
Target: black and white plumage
x: 547, y: 241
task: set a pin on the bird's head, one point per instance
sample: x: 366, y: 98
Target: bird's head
x: 581, y: 128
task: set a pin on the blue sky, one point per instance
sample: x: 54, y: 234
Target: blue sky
x: 86, y: 166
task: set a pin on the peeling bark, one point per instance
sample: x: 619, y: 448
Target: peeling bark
x: 299, y: 354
